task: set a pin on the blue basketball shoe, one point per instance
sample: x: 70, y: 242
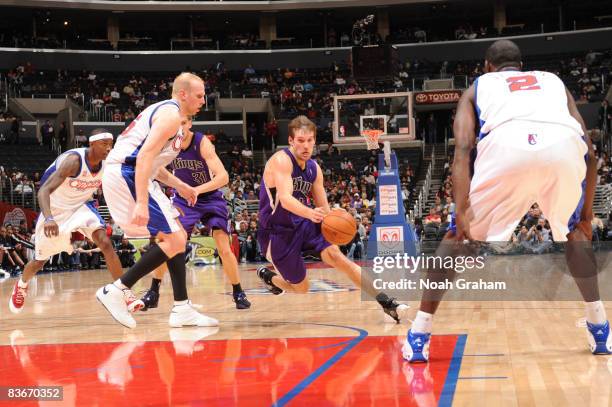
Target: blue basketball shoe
x: 241, y: 300
x: 416, y: 347
x: 150, y: 299
x: 600, y: 340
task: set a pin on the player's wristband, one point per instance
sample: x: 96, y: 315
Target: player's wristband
x: 49, y: 219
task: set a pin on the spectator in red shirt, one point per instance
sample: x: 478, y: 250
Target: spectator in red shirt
x: 433, y: 217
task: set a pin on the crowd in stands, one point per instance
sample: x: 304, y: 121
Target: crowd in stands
x: 350, y: 184
x: 120, y: 97
x: 19, y: 182
x: 348, y: 187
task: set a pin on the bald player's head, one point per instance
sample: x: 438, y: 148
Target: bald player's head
x: 185, y: 81
x: 188, y: 90
x: 502, y: 54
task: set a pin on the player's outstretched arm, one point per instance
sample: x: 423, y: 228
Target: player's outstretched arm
x: 186, y: 191
x: 591, y: 175
x: 220, y: 177
x: 464, y: 129
x: 166, y: 177
x: 281, y: 170
x: 318, y: 192
x: 69, y: 167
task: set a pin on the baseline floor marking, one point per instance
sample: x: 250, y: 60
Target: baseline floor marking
x: 291, y: 394
x: 450, y: 384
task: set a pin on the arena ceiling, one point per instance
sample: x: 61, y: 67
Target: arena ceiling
x: 270, y: 5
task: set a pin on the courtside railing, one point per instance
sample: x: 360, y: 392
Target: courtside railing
x: 18, y: 194
x: 421, y: 201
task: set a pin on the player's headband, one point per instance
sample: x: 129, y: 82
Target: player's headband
x: 100, y: 136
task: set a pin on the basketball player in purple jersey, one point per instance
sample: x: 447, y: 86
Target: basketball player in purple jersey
x: 198, y: 166
x: 289, y: 227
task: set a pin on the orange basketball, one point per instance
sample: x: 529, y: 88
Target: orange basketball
x: 339, y: 227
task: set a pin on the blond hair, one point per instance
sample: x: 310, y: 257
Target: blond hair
x: 302, y: 122
x: 183, y: 82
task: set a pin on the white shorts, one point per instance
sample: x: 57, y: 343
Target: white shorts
x: 119, y: 186
x: 85, y: 220
x: 518, y: 165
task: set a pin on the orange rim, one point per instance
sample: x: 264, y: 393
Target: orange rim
x: 371, y: 137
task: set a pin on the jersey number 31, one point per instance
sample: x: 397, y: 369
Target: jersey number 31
x: 523, y: 82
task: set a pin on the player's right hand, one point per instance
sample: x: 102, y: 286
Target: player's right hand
x: 463, y: 229
x: 141, y: 215
x: 585, y: 227
x: 51, y: 229
x: 317, y: 215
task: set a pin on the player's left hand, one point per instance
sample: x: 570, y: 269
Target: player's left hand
x: 51, y: 228
x: 189, y: 193
x: 317, y: 215
x: 140, y: 215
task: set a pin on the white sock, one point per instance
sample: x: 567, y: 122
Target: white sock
x: 181, y: 302
x: 422, y: 322
x: 595, y: 312
x: 22, y: 284
x: 120, y: 285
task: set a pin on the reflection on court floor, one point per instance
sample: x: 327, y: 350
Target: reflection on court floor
x: 195, y: 369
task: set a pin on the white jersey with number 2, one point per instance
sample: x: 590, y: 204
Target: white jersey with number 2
x: 532, y: 96
x: 530, y: 150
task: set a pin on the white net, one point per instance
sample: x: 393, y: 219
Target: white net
x: 371, y: 137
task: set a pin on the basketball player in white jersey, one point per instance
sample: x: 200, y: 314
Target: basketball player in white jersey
x: 140, y: 207
x: 199, y: 166
x: 532, y: 146
x: 66, y: 188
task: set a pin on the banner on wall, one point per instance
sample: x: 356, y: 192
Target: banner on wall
x: 437, y: 97
x: 15, y: 214
x: 203, y: 250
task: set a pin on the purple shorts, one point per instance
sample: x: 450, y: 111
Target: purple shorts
x: 284, y: 248
x: 213, y: 213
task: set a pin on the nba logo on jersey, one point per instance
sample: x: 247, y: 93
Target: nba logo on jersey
x: 532, y: 139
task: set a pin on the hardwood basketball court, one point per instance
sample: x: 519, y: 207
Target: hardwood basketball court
x: 327, y: 347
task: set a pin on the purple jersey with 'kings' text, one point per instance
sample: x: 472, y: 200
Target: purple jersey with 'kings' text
x: 272, y: 215
x: 191, y: 168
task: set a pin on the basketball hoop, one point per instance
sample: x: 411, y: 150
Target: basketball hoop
x: 371, y: 137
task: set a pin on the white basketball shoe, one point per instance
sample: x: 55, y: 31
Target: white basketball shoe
x: 114, y: 300
x: 186, y: 315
